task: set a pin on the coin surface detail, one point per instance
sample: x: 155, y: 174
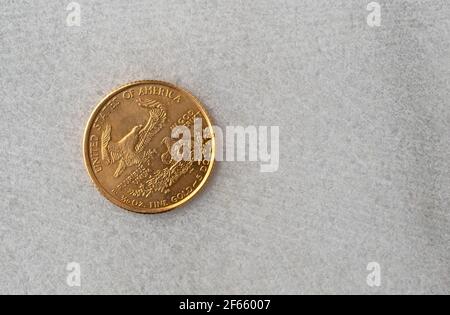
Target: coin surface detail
x: 149, y: 146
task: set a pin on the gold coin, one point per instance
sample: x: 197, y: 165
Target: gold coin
x: 149, y: 146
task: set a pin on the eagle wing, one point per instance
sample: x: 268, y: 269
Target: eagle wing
x: 111, y: 152
x: 154, y: 125
x: 106, y: 139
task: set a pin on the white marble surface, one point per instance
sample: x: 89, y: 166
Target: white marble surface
x: 364, y: 117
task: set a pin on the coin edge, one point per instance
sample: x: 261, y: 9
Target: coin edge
x: 92, y: 175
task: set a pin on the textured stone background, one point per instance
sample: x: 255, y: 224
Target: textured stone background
x: 364, y: 117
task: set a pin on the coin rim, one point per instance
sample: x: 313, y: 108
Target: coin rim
x: 91, y: 172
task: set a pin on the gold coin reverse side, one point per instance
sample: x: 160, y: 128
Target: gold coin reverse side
x: 128, y: 146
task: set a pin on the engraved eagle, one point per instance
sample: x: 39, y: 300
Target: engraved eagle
x: 128, y: 151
